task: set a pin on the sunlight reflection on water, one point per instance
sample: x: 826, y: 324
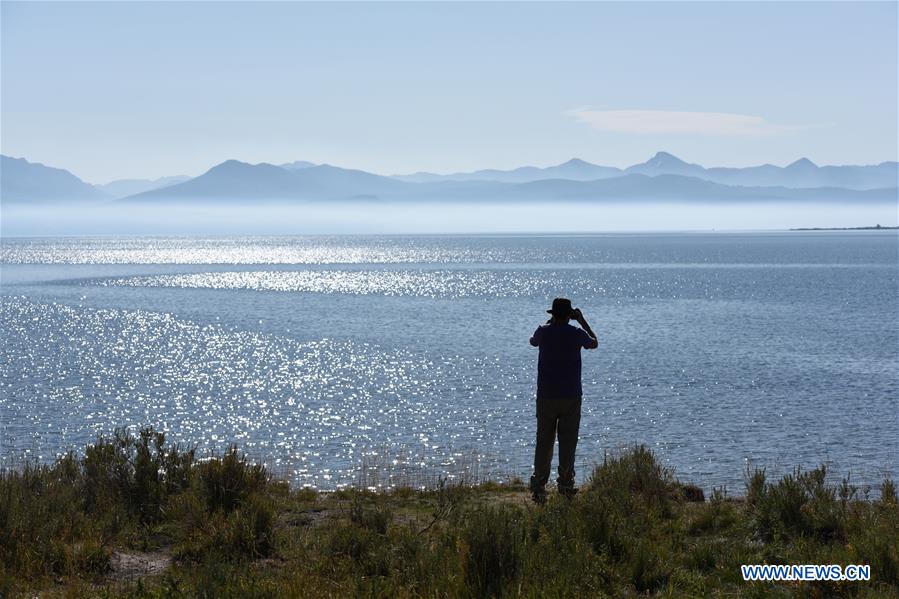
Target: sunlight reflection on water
x: 369, y: 360
x: 315, y: 409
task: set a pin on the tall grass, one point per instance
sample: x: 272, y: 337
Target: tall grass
x: 64, y: 519
x: 233, y: 530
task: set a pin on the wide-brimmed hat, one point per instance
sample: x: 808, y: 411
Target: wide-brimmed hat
x: 561, y: 307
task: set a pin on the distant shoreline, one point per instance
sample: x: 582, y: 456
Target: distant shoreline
x: 874, y: 228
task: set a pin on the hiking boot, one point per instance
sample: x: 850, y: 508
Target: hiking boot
x: 568, y: 492
x: 539, y: 496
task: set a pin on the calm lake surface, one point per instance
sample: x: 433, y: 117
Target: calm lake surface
x: 379, y: 360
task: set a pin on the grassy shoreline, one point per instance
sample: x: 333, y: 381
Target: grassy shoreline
x: 137, y: 517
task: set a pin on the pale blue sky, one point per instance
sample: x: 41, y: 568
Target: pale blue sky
x: 116, y: 90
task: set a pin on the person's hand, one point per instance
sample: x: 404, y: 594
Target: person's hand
x: 577, y: 314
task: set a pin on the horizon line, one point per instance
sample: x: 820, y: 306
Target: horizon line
x: 471, y: 233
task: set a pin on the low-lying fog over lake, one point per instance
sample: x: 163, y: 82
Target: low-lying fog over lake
x: 402, y: 217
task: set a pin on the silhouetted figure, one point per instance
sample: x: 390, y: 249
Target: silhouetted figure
x: 559, y: 394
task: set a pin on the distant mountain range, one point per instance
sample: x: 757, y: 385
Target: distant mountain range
x: 235, y: 180
x: 573, y: 170
x: 663, y: 177
x: 23, y: 181
x: 801, y: 174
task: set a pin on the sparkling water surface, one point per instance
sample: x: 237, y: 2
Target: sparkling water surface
x: 383, y: 360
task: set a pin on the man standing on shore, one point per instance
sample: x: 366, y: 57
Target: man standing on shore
x: 559, y: 394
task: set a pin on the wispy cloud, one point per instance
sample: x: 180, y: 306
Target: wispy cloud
x: 680, y: 122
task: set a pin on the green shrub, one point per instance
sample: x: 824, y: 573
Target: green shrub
x: 371, y: 515
x: 494, y: 539
x: 250, y: 528
x: 246, y: 532
x: 800, y: 504
x: 888, y: 492
x: 626, y: 497
x: 228, y: 481
x: 692, y: 493
x: 873, y: 535
x: 108, y: 471
x: 703, y: 556
x: 368, y: 551
x: 647, y: 570
x: 604, y: 527
x: 559, y: 556
x: 755, y: 486
x: 91, y: 557
x: 407, y: 563
x: 134, y: 473
x: 633, y: 477
x: 40, y: 515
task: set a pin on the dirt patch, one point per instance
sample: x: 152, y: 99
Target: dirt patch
x: 131, y: 565
x: 315, y: 516
x: 517, y: 497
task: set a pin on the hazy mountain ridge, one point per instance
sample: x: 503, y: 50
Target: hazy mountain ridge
x: 24, y: 181
x: 239, y: 180
x: 662, y: 177
x: 574, y: 170
x: 802, y: 173
x: 235, y: 181
x: 639, y: 187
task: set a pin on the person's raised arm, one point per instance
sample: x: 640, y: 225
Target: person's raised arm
x: 594, y: 342
x: 535, y: 338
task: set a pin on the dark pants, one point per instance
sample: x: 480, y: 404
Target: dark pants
x: 564, y: 416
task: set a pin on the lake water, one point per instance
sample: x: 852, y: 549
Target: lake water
x: 378, y: 360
